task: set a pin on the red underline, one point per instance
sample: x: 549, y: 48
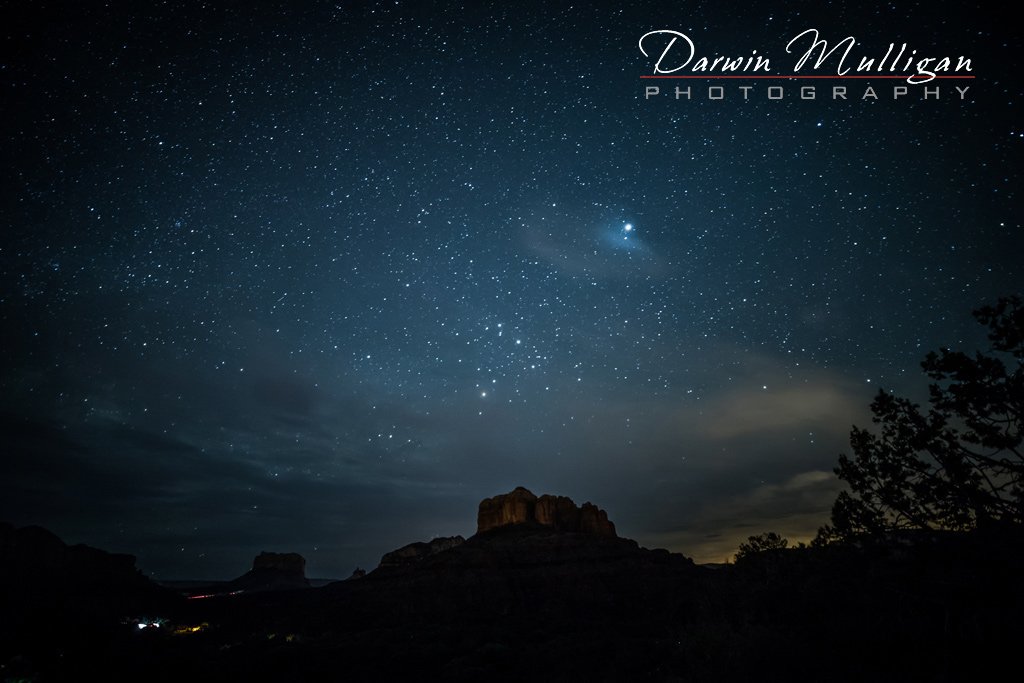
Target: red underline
x: 903, y: 77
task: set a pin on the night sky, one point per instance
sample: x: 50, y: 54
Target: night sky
x: 320, y: 279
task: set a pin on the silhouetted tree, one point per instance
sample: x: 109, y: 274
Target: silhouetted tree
x: 957, y: 466
x: 761, y: 543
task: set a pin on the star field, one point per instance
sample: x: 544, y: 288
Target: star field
x: 319, y: 280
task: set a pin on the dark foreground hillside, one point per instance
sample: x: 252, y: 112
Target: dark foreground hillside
x: 529, y: 602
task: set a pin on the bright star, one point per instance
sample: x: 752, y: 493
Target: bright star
x: 623, y: 237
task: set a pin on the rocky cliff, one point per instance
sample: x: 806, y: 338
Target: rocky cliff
x: 560, y: 513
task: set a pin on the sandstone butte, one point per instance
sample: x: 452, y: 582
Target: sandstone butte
x: 519, y: 506
x: 558, y: 512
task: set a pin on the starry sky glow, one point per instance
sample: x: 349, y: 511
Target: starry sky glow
x: 320, y: 278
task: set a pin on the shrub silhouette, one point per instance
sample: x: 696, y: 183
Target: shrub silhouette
x: 760, y: 543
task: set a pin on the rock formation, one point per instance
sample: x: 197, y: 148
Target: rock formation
x: 516, y: 507
x: 35, y: 554
x: 288, y: 563
x: 273, y: 571
x: 414, y: 552
x: 557, y: 511
x: 594, y: 520
x: 520, y: 506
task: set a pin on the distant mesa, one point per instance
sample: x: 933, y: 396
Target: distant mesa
x: 274, y: 571
x: 559, y: 513
x: 286, y: 563
x: 270, y: 572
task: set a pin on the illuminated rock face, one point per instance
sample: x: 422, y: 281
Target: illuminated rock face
x: 558, y: 512
x: 594, y: 520
x: 516, y: 507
